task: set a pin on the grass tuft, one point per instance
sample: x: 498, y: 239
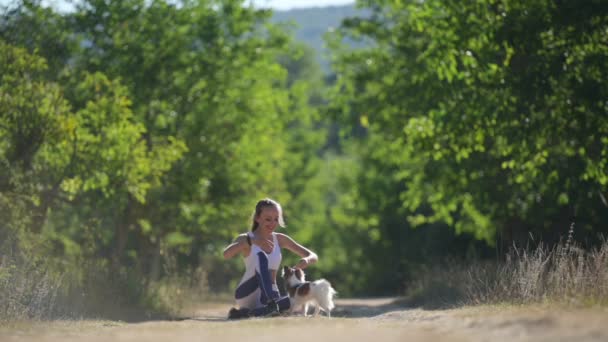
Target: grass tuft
x: 565, y: 273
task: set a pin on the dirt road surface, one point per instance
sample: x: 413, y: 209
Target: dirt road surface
x: 370, y: 320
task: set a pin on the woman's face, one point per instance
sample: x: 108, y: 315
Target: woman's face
x: 268, y: 220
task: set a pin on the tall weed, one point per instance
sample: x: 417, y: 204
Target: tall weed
x: 42, y: 290
x: 566, y: 273
x: 27, y: 291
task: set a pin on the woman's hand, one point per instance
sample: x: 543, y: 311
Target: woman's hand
x: 264, y: 244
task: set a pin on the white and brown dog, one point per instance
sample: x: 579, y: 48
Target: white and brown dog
x: 302, y: 293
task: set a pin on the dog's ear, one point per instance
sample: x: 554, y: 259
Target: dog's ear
x: 300, y: 274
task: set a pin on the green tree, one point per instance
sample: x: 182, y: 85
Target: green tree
x: 52, y: 155
x: 488, y: 114
x: 205, y: 73
x: 206, y: 99
x: 31, y: 115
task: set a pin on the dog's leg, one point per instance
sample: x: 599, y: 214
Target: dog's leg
x: 317, y: 309
x: 306, y: 309
x: 325, y: 309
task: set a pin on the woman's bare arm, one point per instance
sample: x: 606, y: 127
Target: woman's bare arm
x: 308, y: 257
x: 239, y: 245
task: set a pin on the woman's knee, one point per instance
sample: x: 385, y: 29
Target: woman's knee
x: 246, y: 288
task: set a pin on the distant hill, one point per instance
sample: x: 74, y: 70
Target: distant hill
x: 312, y: 23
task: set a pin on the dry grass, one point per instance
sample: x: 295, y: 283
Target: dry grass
x: 564, y: 274
x: 36, y: 291
x: 176, y: 292
x: 27, y: 291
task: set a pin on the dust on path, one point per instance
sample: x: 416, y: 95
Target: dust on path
x: 368, y: 320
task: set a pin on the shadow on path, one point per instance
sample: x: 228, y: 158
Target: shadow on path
x: 345, y: 308
x: 203, y: 319
x: 367, y: 307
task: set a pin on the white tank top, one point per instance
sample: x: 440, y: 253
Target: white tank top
x: 274, y: 257
x: 274, y: 262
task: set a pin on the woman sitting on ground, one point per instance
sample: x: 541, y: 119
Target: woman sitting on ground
x: 257, y: 293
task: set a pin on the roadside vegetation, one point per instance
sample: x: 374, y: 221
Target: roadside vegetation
x: 441, y: 155
x: 564, y: 275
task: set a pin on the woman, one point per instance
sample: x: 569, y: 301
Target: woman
x: 257, y: 293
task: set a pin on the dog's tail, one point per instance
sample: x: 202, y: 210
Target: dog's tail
x: 324, y: 293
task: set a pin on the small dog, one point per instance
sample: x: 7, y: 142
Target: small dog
x: 302, y: 292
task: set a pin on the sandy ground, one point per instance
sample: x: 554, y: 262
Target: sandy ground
x: 367, y: 320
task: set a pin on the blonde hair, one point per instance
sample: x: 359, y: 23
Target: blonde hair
x: 265, y: 203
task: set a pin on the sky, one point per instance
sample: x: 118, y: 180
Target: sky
x: 289, y: 4
x: 275, y: 4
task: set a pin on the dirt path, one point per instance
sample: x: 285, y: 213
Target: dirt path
x: 368, y: 320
